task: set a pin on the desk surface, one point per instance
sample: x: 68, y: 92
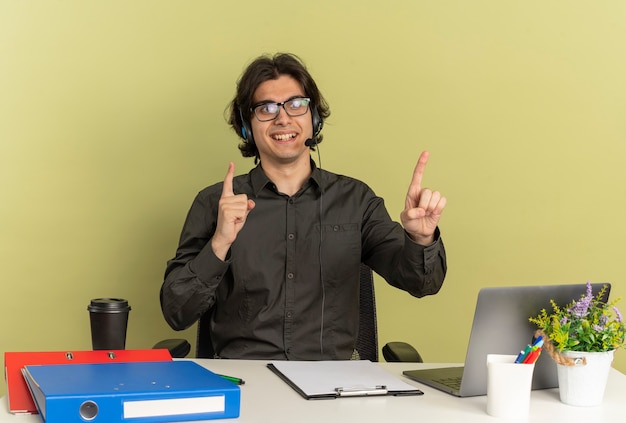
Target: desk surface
x: 266, y: 398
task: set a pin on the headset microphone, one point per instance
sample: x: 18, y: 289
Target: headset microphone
x: 310, y: 142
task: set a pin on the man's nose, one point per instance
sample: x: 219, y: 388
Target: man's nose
x: 282, y: 115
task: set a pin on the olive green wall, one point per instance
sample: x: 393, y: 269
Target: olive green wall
x: 111, y: 119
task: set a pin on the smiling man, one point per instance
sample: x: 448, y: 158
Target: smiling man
x: 274, y: 254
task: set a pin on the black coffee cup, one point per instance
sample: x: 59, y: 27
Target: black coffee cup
x: 109, y: 319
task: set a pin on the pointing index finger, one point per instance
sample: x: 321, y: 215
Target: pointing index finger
x: 227, y: 190
x: 418, y: 173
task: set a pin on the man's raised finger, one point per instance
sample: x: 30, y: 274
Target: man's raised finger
x: 418, y: 173
x: 227, y: 190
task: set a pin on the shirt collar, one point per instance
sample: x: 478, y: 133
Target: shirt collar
x: 259, y: 180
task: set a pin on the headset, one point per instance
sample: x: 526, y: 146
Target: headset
x: 316, y: 120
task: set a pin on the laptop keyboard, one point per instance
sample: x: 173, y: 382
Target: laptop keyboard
x: 452, y: 382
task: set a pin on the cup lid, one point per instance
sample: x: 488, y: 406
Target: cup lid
x: 111, y: 305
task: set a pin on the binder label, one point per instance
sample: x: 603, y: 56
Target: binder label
x: 174, y: 407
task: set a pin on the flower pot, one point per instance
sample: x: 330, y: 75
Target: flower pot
x: 584, y: 384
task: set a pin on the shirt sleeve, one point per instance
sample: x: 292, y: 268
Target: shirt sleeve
x: 390, y: 252
x: 428, y: 263
x: 192, y: 276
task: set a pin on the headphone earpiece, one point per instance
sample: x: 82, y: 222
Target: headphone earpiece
x: 318, y: 123
x: 246, y: 130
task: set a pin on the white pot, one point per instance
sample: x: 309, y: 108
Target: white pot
x: 584, y: 384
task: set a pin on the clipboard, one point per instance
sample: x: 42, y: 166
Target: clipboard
x: 340, y: 379
x: 20, y: 400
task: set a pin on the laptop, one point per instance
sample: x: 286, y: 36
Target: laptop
x: 501, y: 326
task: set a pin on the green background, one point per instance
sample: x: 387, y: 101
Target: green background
x: 112, y: 119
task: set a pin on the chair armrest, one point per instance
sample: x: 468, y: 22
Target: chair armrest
x: 178, y: 348
x: 401, y: 352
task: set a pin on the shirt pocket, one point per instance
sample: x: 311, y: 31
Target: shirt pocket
x: 341, y: 250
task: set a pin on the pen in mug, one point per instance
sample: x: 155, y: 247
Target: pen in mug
x: 537, y: 343
x: 532, y: 356
x: 534, y: 353
x: 522, y: 355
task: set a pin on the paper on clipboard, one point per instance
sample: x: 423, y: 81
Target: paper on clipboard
x: 342, y: 378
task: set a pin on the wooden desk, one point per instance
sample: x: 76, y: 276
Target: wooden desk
x: 266, y: 398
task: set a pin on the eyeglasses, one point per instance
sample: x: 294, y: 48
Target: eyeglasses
x: 293, y: 107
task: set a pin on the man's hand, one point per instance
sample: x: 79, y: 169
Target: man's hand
x: 422, y: 208
x: 232, y: 214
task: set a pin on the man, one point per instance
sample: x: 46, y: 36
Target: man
x: 275, y: 254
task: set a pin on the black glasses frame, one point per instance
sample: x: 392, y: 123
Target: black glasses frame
x: 278, y: 106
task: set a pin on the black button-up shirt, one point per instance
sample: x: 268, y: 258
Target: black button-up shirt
x: 292, y: 274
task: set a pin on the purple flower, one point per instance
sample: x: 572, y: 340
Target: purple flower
x: 581, y: 307
x: 618, y: 314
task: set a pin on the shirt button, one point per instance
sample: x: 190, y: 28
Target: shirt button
x: 289, y: 275
x: 291, y: 236
x: 289, y: 314
x: 291, y: 201
x: 336, y: 228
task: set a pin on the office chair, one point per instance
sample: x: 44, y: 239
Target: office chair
x: 367, y: 341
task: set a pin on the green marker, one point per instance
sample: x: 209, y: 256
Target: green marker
x: 233, y: 379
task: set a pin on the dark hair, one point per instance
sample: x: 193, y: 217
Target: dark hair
x: 265, y: 68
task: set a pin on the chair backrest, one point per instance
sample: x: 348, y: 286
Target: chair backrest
x: 204, y: 346
x: 367, y: 341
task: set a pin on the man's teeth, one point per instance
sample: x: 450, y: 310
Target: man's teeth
x: 284, y: 137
